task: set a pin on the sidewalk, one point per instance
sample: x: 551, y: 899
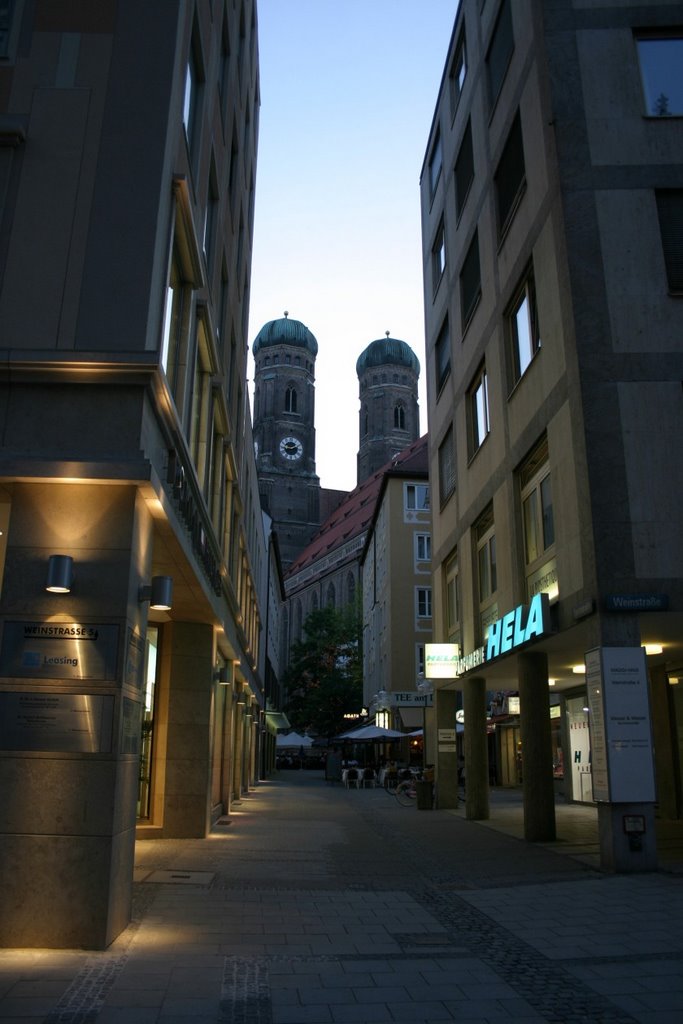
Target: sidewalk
x: 316, y: 905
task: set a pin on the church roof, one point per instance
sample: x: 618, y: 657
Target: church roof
x: 389, y: 351
x: 353, y: 517
x: 285, y: 332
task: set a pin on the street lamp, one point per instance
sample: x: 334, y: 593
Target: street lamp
x: 424, y: 688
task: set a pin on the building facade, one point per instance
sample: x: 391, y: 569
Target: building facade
x: 128, y: 136
x: 397, y: 590
x: 552, y: 213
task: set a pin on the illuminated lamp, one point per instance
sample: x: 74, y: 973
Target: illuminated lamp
x: 60, y: 574
x: 159, y: 593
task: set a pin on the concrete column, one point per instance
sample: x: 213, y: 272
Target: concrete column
x: 662, y: 714
x: 537, y: 750
x: 476, y: 750
x: 621, y: 850
x: 444, y: 756
x: 187, y: 795
x: 69, y: 793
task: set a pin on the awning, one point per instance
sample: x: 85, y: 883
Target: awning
x: 277, y: 720
x: 412, y: 718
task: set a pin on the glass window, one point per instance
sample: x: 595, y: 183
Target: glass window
x: 147, y: 726
x: 290, y: 399
x: 442, y: 352
x: 423, y: 547
x: 175, y: 327
x: 399, y: 418
x: 510, y: 179
x: 500, y: 51
x: 458, y: 72
x: 424, y: 602
x: 211, y: 214
x: 661, y: 60
x: 470, y: 282
x: 486, y: 555
x: 200, y: 426
x: 452, y: 600
x: 538, y: 521
x: 479, y: 410
x: 6, y: 10
x: 438, y: 256
x: 446, y: 467
x: 193, y: 80
x: 464, y: 170
x: 435, y: 162
x: 523, y: 327
x: 417, y: 496
x: 670, y: 212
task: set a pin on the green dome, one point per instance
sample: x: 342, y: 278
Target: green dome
x: 387, y: 351
x: 285, y: 332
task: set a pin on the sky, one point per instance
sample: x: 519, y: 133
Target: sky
x: 348, y: 92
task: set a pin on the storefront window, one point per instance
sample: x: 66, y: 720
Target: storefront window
x: 145, y: 783
x: 579, y: 750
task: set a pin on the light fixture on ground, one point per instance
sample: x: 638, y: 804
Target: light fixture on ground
x: 60, y: 574
x: 159, y: 593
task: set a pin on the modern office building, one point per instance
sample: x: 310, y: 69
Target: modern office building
x: 131, y: 695
x: 552, y: 213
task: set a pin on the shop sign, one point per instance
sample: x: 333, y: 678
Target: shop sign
x: 518, y: 627
x: 620, y: 732
x: 411, y: 699
x: 59, y: 650
x: 544, y: 581
x: 441, y: 661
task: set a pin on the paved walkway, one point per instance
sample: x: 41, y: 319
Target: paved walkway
x: 316, y: 905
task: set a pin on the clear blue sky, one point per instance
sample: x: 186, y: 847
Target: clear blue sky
x: 348, y: 91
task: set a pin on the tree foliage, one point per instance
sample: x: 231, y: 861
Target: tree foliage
x: 324, y: 679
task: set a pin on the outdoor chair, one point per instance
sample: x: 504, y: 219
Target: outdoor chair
x: 352, y: 778
x: 369, y: 778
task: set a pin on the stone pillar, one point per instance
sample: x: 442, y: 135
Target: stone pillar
x: 187, y: 795
x: 537, y: 750
x: 69, y: 792
x: 476, y: 750
x: 444, y: 756
x: 662, y: 713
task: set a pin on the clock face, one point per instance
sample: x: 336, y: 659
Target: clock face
x: 291, y: 448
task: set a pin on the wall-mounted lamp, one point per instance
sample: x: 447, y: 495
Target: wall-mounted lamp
x: 159, y: 593
x: 60, y: 574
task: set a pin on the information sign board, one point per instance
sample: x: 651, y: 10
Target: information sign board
x: 67, y: 722
x: 620, y: 730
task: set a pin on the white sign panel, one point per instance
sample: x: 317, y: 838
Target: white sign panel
x: 621, y: 739
x: 441, y: 661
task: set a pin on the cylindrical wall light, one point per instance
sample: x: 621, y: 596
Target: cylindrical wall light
x: 60, y: 574
x: 159, y: 593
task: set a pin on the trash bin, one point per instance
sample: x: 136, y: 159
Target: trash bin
x: 425, y: 795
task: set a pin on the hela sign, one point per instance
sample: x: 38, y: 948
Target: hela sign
x: 441, y: 661
x: 518, y: 627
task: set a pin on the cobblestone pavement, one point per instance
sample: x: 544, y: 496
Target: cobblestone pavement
x: 316, y: 905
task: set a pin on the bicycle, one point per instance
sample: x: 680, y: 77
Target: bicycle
x: 406, y: 789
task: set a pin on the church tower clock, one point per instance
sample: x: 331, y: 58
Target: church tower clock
x: 284, y: 433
